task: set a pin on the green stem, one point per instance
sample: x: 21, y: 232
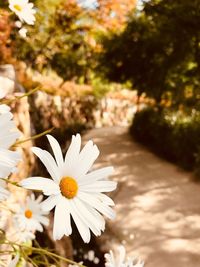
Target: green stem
x: 9, y: 101
x: 10, y: 182
x: 33, y: 137
x: 40, y: 250
x: 44, y: 256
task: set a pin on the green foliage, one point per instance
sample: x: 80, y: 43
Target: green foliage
x: 174, y: 135
x: 102, y: 87
x: 159, y: 50
x: 60, y: 40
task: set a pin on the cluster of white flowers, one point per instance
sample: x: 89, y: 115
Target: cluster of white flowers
x: 73, y: 189
x: 8, y: 158
x: 19, y: 221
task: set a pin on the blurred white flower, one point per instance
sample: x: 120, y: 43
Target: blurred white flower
x: 14, y: 262
x: 8, y: 135
x: 18, y: 24
x: 23, y: 32
x: 31, y: 217
x: 120, y: 260
x: 24, y: 10
x: 96, y: 260
x: 74, y: 191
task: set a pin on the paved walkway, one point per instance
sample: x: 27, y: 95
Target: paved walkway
x: 157, y: 204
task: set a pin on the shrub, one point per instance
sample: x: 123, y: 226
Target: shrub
x: 174, y: 135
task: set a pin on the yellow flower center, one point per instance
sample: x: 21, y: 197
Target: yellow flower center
x: 28, y: 214
x: 68, y: 187
x: 18, y: 7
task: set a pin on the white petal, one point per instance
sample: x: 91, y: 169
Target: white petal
x: 86, y: 162
x: 98, y: 205
x: 122, y: 254
x: 89, y: 218
x: 88, y: 146
x: 49, y: 203
x: 61, y: 219
x: 104, y: 198
x: 81, y: 226
x: 37, y: 226
x: 56, y: 150
x: 110, y: 260
x: 4, y: 108
x: 48, y: 162
x: 68, y: 228
x: 96, y: 175
x: 42, y: 219
x: 38, y: 200
x: 48, y: 186
x: 8, y: 139
x: 97, y: 215
x: 72, y: 152
x: 4, y: 118
x: 99, y: 186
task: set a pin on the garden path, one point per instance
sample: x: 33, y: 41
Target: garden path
x: 157, y: 204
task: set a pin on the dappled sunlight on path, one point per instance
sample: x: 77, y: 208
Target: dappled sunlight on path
x: 157, y: 204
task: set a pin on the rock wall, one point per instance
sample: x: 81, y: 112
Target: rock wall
x: 67, y: 112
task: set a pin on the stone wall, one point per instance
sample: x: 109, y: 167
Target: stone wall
x: 63, y: 112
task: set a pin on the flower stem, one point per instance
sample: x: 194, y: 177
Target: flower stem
x: 41, y: 250
x: 10, y: 182
x: 33, y: 137
x: 9, y: 101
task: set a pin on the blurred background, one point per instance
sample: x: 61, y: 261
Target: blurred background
x: 126, y: 73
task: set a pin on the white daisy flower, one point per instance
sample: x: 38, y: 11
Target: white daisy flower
x: 14, y: 262
x: 24, y: 10
x: 31, y: 217
x: 8, y: 135
x: 73, y: 191
x: 121, y: 260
